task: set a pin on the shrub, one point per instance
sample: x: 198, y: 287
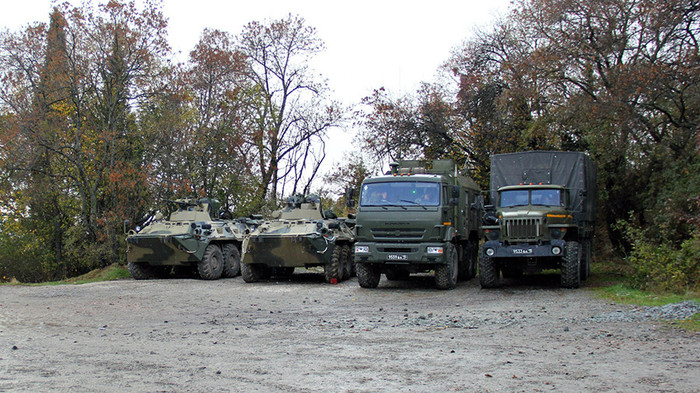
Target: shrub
x: 663, y: 267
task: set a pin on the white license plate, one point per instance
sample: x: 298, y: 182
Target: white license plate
x: 522, y: 251
x: 397, y: 257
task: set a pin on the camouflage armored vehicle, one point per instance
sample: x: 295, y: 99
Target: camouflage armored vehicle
x: 191, y: 240
x: 300, y: 235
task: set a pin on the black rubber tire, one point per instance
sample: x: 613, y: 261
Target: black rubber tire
x: 254, y: 272
x: 571, y: 265
x: 347, y: 262
x: 367, y: 275
x: 212, y: 263
x: 333, y: 268
x: 446, y: 275
x: 468, y: 262
x: 489, y: 276
x: 232, y: 261
x: 141, y: 270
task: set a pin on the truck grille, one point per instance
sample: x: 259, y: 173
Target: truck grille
x: 400, y: 235
x: 523, y: 229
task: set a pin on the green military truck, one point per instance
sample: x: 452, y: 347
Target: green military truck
x: 193, y: 239
x: 420, y: 217
x: 541, y: 216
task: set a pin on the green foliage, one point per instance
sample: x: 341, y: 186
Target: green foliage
x: 23, y: 252
x: 663, y: 267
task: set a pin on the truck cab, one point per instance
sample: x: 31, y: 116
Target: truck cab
x: 417, y: 219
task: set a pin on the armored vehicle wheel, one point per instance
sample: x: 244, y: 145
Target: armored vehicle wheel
x: 232, y: 261
x: 488, y: 272
x: 141, y: 270
x: 446, y: 275
x: 212, y: 263
x: 571, y: 266
x: 254, y: 272
x: 347, y: 262
x: 334, y: 269
x: 367, y: 275
x: 468, y: 262
x: 397, y: 274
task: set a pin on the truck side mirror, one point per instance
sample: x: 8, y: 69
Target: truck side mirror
x: 349, y: 194
x: 127, y: 223
x: 455, y: 191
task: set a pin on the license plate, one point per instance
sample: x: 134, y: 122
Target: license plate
x: 397, y: 257
x: 522, y: 251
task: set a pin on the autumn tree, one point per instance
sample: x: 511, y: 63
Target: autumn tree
x: 291, y: 104
x: 69, y: 93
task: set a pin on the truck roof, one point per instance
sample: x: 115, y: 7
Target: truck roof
x: 530, y: 186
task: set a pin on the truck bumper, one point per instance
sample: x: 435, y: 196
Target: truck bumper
x: 400, y: 254
x: 496, y: 249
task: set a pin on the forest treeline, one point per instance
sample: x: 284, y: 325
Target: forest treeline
x: 99, y: 125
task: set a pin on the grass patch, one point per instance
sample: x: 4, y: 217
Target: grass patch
x: 109, y: 273
x: 611, y: 282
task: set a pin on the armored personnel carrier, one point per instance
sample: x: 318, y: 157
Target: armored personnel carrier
x: 192, y: 239
x: 300, y: 235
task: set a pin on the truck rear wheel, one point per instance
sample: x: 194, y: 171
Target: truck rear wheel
x: 488, y: 272
x: 367, y: 275
x: 446, y: 275
x: 212, y: 263
x: 232, y: 261
x: 571, y: 266
x: 141, y: 270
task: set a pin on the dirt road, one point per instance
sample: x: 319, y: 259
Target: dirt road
x: 185, y: 335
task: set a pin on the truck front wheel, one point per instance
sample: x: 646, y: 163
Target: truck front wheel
x: 488, y: 272
x: 446, y: 275
x: 367, y: 275
x: 334, y: 268
x: 571, y: 266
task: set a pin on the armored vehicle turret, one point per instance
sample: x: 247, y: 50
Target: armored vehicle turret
x: 193, y: 238
x: 300, y: 235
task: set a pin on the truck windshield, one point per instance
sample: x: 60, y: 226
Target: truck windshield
x: 539, y: 197
x: 400, y: 194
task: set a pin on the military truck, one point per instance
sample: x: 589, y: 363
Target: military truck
x: 300, y: 235
x: 421, y: 216
x: 542, y: 216
x: 193, y: 240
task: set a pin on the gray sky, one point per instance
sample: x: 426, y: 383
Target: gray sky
x: 395, y: 44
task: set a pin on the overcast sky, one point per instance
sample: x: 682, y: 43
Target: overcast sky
x: 395, y: 44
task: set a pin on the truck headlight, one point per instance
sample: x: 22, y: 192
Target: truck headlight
x: 434, y: 250
x: 556, y: 250
x: 490, y: 252
x: 557, y: 233
x: 361, y: 249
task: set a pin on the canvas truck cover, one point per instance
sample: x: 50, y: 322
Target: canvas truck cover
x: 573, y: 170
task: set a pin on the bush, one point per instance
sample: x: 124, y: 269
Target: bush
x: 664, y: 268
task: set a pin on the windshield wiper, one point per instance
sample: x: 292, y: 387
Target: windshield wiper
x: 415, y: 203
x: 394, y: 205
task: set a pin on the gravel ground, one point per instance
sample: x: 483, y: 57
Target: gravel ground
x: 301, y: 335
